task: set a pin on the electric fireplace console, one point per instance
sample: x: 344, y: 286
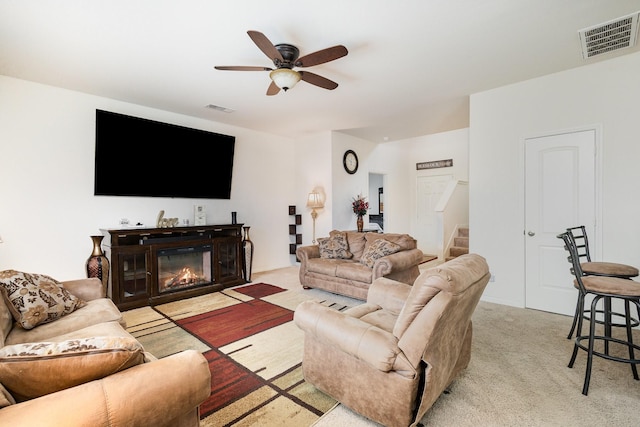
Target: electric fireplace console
x: 152, y: 266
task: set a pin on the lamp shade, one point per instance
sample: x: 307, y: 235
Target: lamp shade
x: 314, y: 201
x: 285, y: 78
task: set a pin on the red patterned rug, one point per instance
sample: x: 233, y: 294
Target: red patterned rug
x: 253, y: 348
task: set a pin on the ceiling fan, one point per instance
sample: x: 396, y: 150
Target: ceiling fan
x: 285, y: 58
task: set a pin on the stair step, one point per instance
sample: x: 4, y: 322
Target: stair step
x: 462, y: 242
x: 455, y: 251
x: 463, y: 231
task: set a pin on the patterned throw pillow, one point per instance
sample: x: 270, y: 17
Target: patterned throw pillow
x: 31, y: 370
x: 34, y: 299
x: 378, y: 249
x: 334, y: 247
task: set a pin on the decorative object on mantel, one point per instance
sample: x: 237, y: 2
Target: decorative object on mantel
x: 234, y: 217
x: 360, y: 207
x: 166, y: 222
x: 98, y: 264
x: 247, y: 245
x: 314, y: 201
x: 200, y: 215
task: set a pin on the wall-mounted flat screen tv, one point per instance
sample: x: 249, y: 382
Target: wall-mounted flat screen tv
x: 146, y: 158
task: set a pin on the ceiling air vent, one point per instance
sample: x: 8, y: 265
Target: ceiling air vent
x: 613, y: 35
x: 219, y: 108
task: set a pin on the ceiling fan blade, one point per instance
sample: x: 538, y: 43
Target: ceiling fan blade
x: 322, y: 56
x: 241, y: 68
x: 317, y: 80
x: 273, y: 89
x: 265, y: 45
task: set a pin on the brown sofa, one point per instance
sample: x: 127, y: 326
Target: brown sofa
x: 140, y: 391
x: 390, y: 358
x: 336, y: 264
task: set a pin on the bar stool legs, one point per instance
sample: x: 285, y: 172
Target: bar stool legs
x: 606, y: 338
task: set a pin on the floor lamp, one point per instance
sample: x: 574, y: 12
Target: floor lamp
x: 314, y: 201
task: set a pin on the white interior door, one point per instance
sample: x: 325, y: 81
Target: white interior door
x: 429, y: 189
x: 560, y: 192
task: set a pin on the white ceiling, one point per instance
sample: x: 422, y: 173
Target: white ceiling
x: 410, y: 69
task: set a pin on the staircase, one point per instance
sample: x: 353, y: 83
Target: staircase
x: 460, y: 244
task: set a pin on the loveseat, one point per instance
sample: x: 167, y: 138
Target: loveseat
x: 348, y: 262
x: 67, y: 360
x: 390, y: 358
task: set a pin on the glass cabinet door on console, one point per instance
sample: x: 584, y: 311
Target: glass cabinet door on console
x: 228, y: 258
x: 132, y: 269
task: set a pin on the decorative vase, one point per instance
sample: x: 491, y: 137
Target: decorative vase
x: 247, y: 246
x: 360, y: 223
x: 98, y: 264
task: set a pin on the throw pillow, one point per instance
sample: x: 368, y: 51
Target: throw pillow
x: 334, y: 247
x: 376, y: 250
x: 34, y: 299
x: 31, y: 370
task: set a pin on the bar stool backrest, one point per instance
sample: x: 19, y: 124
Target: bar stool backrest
x: 579, y: 235
x: 574, y: 257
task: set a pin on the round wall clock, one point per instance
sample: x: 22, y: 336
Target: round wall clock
x: 350, y: 161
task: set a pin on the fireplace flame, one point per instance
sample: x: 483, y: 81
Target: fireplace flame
x: 184, y: 278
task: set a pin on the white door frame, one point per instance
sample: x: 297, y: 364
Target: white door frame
x: 596, y: 248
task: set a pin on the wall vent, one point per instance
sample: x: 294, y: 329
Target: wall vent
x: 617, y: 34
x: 219, y: 108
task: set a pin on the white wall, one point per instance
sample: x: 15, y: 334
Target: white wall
x: 345, y: 187
x: 441, y: 146
x: 395, y: 160
x: 46, y: 182
x: 606, y: 94
x: 48, y: 208
x: 313, y: 172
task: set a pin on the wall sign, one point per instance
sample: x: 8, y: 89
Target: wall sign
x: 435, y: 164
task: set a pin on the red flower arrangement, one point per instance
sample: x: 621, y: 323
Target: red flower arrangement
x: 360, y: 205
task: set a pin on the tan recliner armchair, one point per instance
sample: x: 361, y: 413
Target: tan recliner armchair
x: 390, y: 358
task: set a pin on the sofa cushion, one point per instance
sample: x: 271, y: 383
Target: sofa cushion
x: 34, y: 299
x: 355, y: 241
x: 354, y: 271
x: 96, y: 312
x: 405, y: 241
x: 334, y: 247
x: 31, y: 370
x: 378, y: 249
x: 323, y: 266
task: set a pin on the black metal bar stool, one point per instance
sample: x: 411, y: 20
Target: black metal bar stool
x: 595, y: 268
x: 602, y: 288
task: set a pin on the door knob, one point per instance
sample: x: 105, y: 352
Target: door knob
x: 531, y: 233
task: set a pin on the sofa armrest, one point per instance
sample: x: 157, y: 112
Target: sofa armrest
x: 307, y: 252
x: 150, y: 394
x: 388, y: 294
x: 86, y: 289
x: 399, y: 261
x: 359, y: 339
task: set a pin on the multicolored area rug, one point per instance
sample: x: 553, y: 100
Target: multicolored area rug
x: 254, y: 351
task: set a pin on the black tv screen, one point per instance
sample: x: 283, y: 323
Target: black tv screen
x: 141, y: 157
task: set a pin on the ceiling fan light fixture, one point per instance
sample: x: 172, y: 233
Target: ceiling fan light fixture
x: 285, y: 78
